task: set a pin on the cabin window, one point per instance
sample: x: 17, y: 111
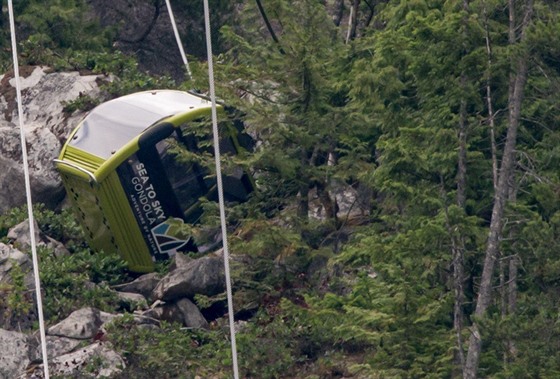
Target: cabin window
x: 188, y: 180
x: 164, y: 180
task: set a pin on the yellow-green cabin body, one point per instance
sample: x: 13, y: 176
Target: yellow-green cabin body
x: 129, y: 193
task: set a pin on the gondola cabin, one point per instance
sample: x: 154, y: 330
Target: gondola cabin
x: 131, y: 171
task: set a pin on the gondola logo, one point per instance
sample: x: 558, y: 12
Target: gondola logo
x: 171, y: 235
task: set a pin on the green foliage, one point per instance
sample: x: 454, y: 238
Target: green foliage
x: 83, y: 103
x: 12, y: 218
x: 128, y: 78
x: 399, y: 304
x: 61, y: 226
x: 63, y: 35
x: 275, y: 259
x: 16, y: 301
x: 81, y: 278
x: 384, y: 112
x: 63, y: 24
x: 52, y: 35
x: 299, y: 89
x: 267, y: 348
x: 170, y: 351
x: 78, y: 280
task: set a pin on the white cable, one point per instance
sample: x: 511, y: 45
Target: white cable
x: 220, y: 189
x: 178, y: 39
x: 28, y: 193
x: 349, y: 24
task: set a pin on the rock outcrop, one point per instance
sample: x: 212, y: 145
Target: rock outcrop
x: 44, y: 94
x: 202, y: 276
x: 15, y: 353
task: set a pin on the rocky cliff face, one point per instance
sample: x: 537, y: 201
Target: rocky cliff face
x: 44, y: 94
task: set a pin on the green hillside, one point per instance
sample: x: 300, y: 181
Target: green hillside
x: 407, y: 213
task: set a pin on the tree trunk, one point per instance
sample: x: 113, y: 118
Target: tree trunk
x: 462, y: 158
x: 326, y: 201
x: 511, y: 304
x: 371, y: 13
x: 518, y: 80
x: 338, y: 11
x: 502, y: 287
x: 458, y: 245
x: 353, y: 21
x: 303, y: 203
x: 489, y: 103
x: 512, y: 285
x: 510, y: 292
x: 459, y: 292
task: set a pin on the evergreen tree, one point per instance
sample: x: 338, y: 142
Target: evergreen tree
x: 294, y: 69
x: 447, y: 111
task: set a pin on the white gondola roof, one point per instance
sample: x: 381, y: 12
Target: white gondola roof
x: 111, y: 125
